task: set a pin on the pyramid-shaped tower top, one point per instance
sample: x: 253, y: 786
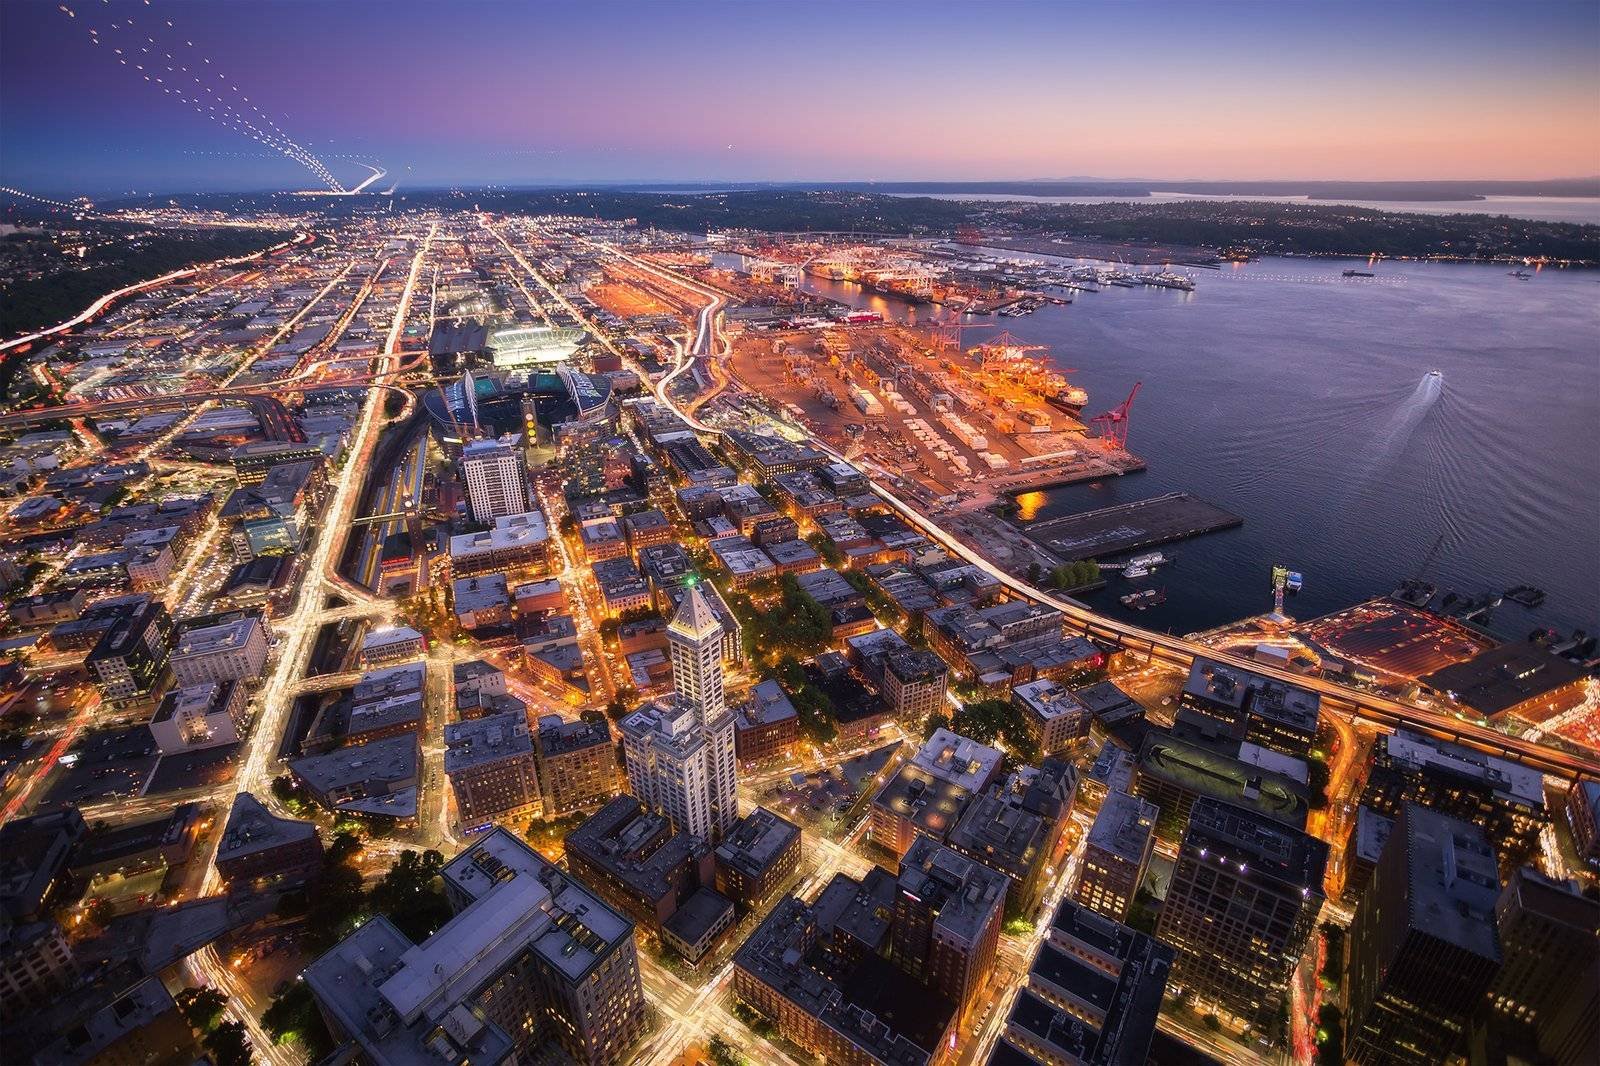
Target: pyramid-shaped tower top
x: 694, y: 618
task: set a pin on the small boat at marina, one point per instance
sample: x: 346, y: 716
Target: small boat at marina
x: 1144, y: 599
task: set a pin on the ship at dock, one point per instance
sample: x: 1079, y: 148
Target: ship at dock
x: 1009, y: 363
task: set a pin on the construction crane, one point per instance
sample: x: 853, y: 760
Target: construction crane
x: 1113, y: 424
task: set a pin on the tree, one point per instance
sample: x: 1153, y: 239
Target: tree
x: 1317, y: 778
x: 1330, y: 1036
x: 936, y: 721
x: 411, y: 894
x: 724, y: 1053
x: 201, y: 1007
x: 229, y: 1045
x: 987, y: 721
x: 294, y: 1018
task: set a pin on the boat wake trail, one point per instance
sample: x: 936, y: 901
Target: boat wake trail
x: 1389, y: 439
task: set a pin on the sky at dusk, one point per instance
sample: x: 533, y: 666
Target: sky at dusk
x: 510, y: 93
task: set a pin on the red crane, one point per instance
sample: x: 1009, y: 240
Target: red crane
x: 1113, y: 425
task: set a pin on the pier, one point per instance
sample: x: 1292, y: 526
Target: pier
x: 1131, y: 526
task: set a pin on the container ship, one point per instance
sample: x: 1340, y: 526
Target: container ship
x: 1009, y: 361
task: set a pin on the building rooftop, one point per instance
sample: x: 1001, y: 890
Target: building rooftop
x: 698, y: 915
x: 471, y: 594
x: 768, y: 703
x: 1213, y: 767
x: 525, y: 530
x: 1371, y: 833
x: 1259, y: 695
x: 1050, y: 699
x: 756, y: 841
x: 252, y: 828
x: 1256, y: 843
x: 1001, y: 834
x: 960, y: 760
x: 584, y: 929
x: 1523, y: 784
x: 380, y: 763
x: 963, y: 894
x: 1453, y: 879
x: 1501, y: 678
x: 776, y: 955
x: 388, y: 637
x: 932, y: 803
x: 209, y: 697
x: 490, y: 739
x: 1124, y: 825
x: 635, y: 846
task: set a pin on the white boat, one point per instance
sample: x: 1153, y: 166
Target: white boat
x: 1134, y: 570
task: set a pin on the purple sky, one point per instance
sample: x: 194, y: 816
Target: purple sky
x: 478, y: 93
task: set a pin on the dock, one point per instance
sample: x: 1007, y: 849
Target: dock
x: 1130, y: 526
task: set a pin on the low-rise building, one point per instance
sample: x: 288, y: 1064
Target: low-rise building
x: 635, y: 861
x: 1055, y: 716
x: 481, y: 602
x: 205, y: 715
x: 757, y: 857
x: 516, y: 543
x: 491, y: 765
x: 259, y: 849
x: 577, y: 763
x: 1093, y: 993
x: 528, y: 943
x: 1116, y: 855
x: 914, y: 684
x: 230, y: 648
x: 767, y: 725
x: 378, y: 779
x: 390, y: 644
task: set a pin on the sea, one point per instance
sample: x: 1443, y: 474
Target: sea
x: 1304, y: 402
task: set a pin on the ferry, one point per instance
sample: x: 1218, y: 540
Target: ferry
x: 1150, y: 560
x: 1359, y: 274
x: 1168, y: 279
x: 1520, y: 275
x: 1135, y: 570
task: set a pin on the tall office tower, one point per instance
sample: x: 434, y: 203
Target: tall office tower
x: 1244, y: 898
x: 695, y: 640
x: 680, y: 748
x: 531, y: 957
x: 947, y: 915
x: 1423, y: 946
x: 496, y: 476
x: 1548, y: 938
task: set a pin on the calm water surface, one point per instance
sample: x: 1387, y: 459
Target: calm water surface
x: 1301, y: 401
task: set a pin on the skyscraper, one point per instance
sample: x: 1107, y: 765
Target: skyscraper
x: 496, y: 477
x: 680, y: 748
x: 695, y: 640
x: 1423, y: 947
x: 1245, y: 894
x: 1548, y: 937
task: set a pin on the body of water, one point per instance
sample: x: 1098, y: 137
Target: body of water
x: 1303, y: 402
